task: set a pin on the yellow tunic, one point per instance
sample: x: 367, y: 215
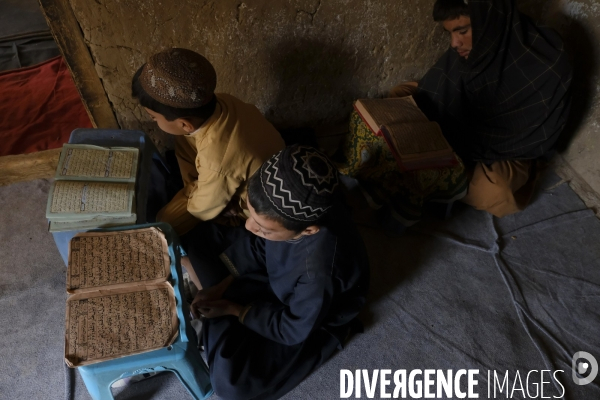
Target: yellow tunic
x: 217, y: 160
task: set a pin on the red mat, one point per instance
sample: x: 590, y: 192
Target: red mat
x: 39, y: 107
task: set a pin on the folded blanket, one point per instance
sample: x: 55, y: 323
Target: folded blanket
x: 40, y: 106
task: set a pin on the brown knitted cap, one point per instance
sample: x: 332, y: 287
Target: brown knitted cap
x: 179, y: 78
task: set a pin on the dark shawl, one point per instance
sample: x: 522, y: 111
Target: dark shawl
x: 509, y: 99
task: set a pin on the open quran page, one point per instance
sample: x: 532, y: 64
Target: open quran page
x: 103, y: 260
x: 69, y: 199
x: 416, y: 138
x: 104, y: 325
x: 378, y: 112
x: 97, y: 163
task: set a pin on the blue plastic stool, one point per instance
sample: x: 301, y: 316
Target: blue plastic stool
x: 182, y: 357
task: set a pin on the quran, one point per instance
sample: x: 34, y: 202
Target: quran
x: 93, y: 187
x: 120, y: 300
x: 415, y: 142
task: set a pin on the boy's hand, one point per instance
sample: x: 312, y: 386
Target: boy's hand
x: 210, y: 294
x: 216, y: 308
x: 229, y: 213
x: 404, y: 89
x: 232, y: 209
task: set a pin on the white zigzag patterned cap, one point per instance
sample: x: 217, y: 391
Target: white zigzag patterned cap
x: 299, y: 181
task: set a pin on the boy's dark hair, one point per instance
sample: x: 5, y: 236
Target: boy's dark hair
x: 170, y: 113
x: 444, y: 10
x: 263, y: 206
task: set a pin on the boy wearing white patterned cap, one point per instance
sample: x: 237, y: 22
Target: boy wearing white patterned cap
x: 219, y: 140
x: 284, y: 297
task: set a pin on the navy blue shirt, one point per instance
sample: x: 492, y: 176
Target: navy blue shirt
x: 295, y: 287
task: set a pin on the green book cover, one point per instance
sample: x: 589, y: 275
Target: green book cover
x: 93, y: 182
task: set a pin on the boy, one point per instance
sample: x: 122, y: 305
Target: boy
x: 219, y: 140
x: 501, y: 96
x: 288, y: 291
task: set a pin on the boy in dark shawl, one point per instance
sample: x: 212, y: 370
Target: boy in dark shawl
x: 284, y: 296
x: 500, y: 95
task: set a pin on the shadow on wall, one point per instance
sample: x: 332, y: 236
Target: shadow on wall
x: 314, y: 78
x: 584, y: 58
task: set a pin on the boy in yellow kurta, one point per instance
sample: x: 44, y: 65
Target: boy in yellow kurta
x: 220, y: 140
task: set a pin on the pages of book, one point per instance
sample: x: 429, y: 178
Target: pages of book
x: 415, y: 142
x: 121, y: 302
x: 104, y: 325
x: 378, y: 112
x: 416, y: 138
x: 83, y: 200
x: 79, y: 161
x: 103, y: 260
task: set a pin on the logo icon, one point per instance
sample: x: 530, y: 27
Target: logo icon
x: 584, y: 363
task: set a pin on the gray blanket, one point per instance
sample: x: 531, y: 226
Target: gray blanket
x: 472, y: 292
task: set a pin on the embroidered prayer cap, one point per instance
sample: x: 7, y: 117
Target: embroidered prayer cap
x: 179, y: 78
x: 299, y: 181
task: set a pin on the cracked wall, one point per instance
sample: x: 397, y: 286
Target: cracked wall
x: 303, y: 62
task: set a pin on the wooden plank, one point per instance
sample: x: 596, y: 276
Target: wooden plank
x: 69, y: 38
x: 27, y: 167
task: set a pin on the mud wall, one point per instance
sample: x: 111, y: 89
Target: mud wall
x: 303, y: 62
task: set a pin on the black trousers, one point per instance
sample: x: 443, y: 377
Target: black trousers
x: 247, y: 366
